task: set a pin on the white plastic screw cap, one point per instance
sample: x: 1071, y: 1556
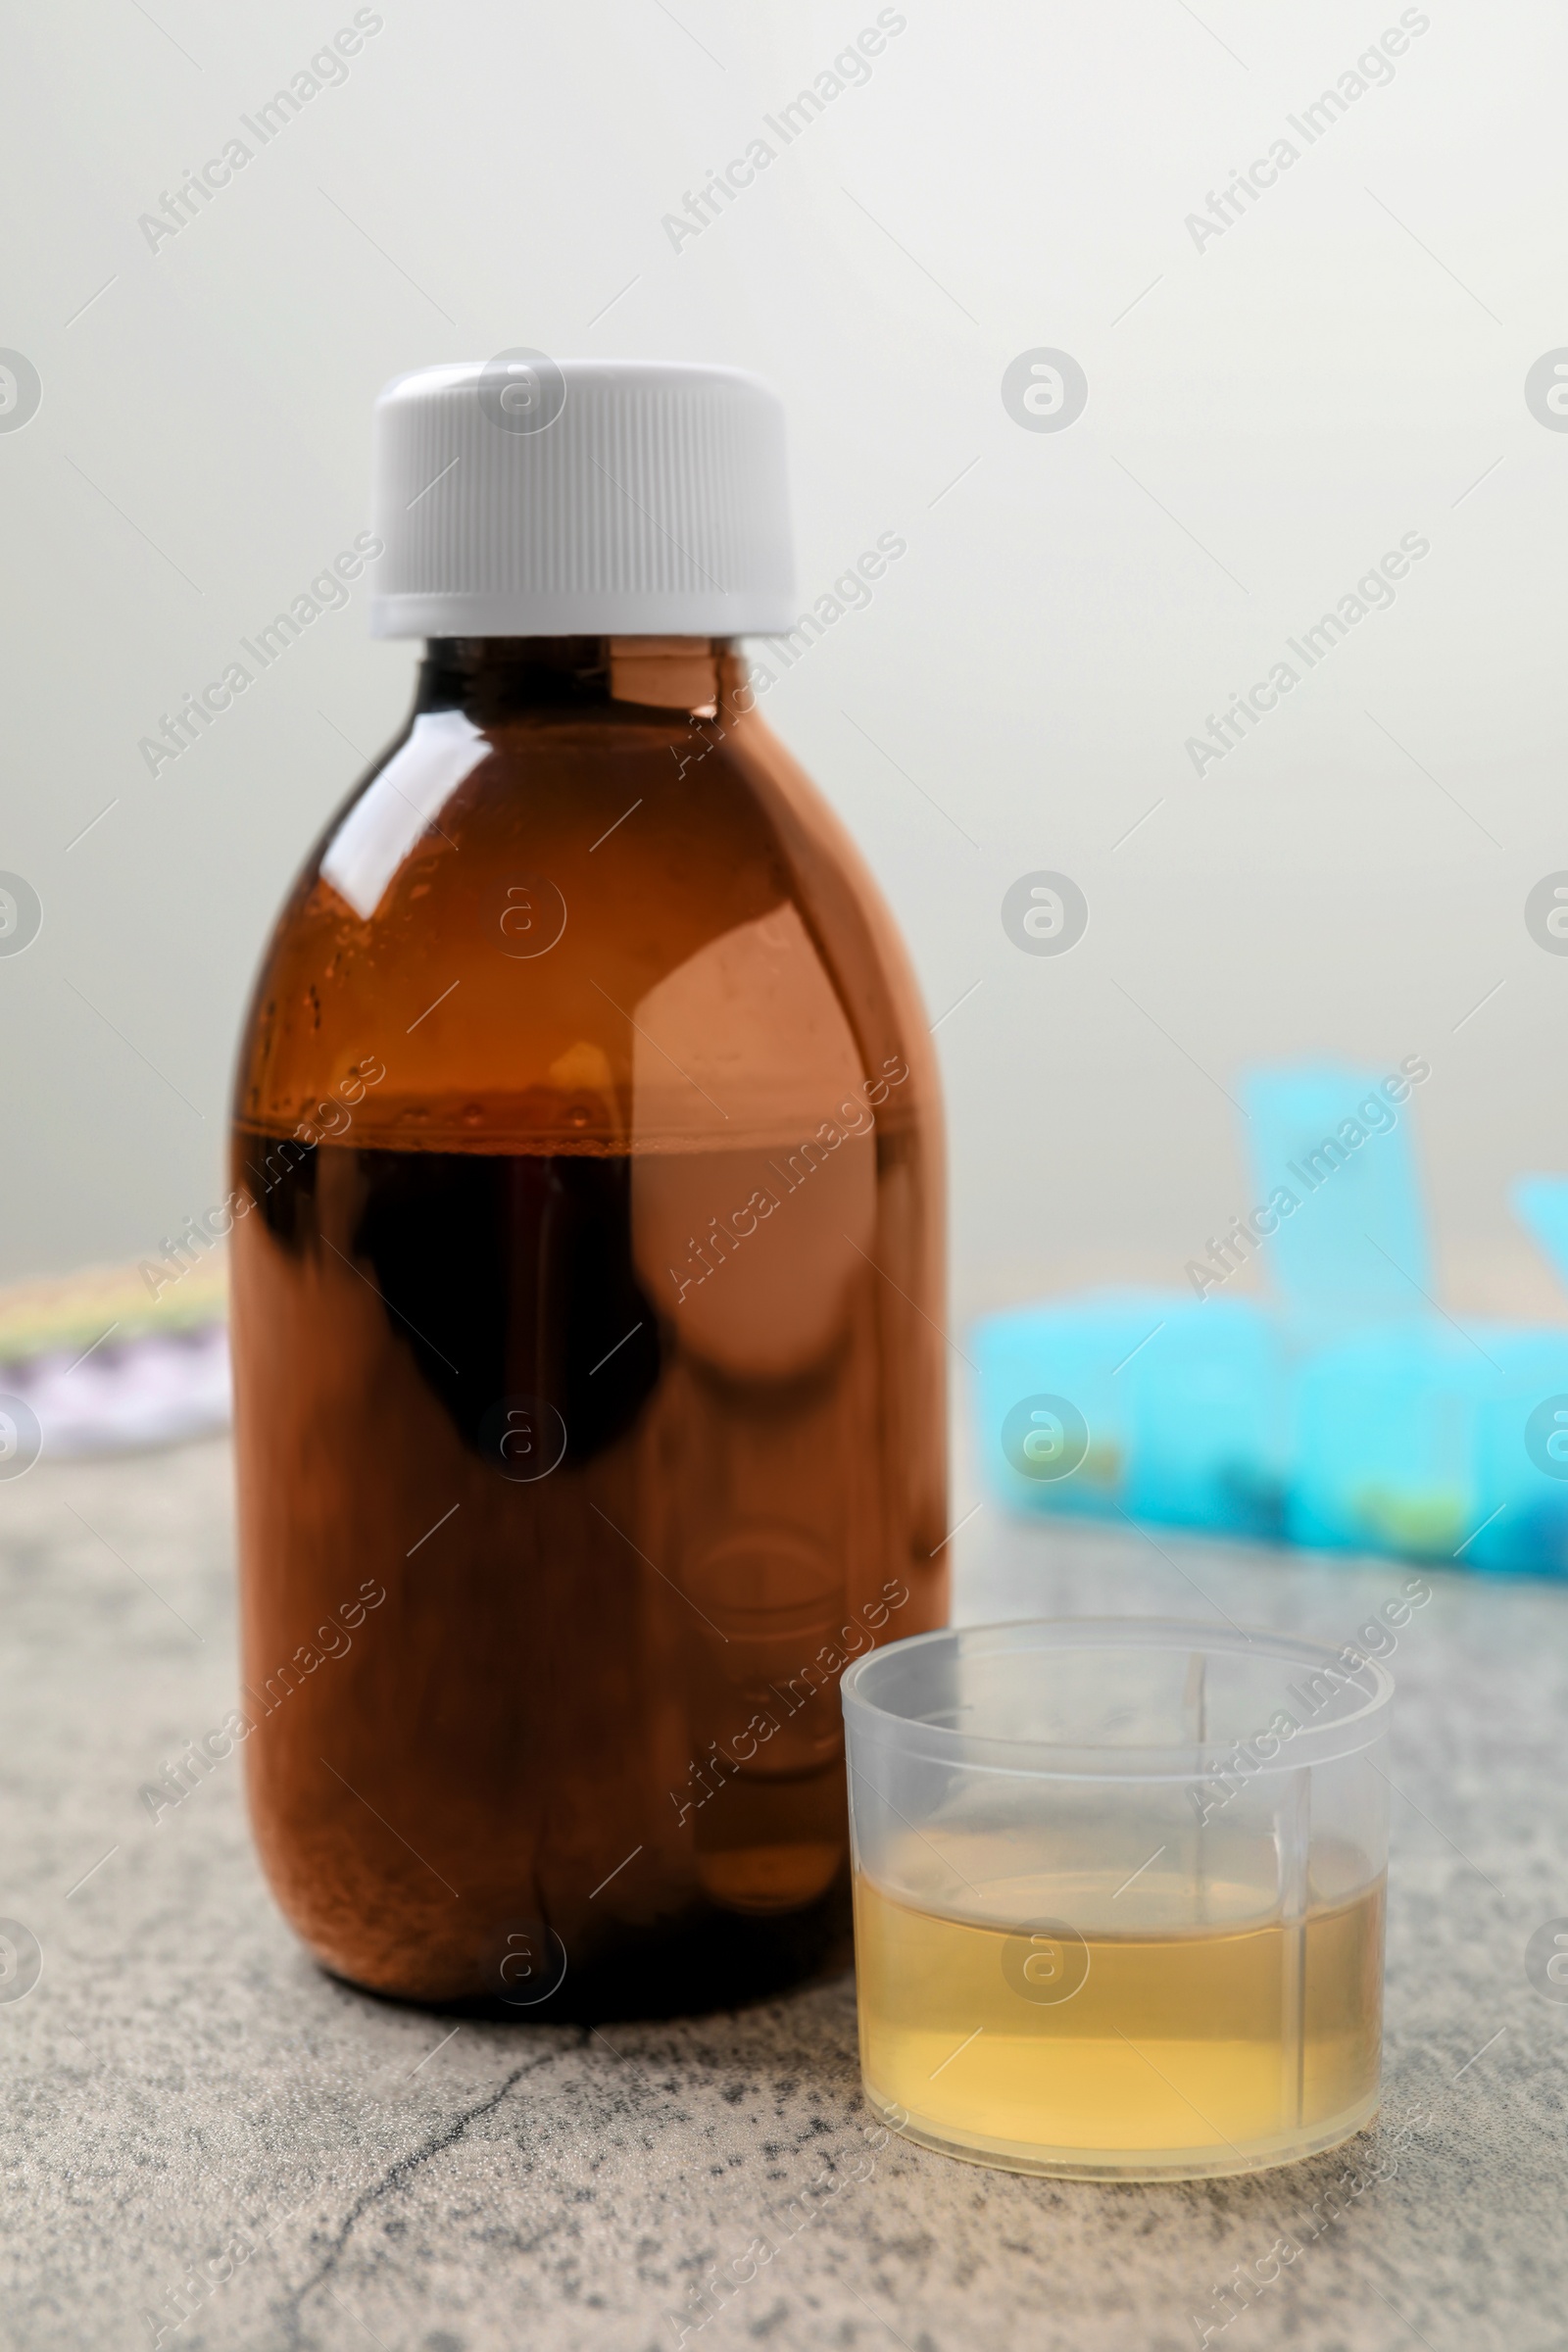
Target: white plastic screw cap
x: 528, y: 497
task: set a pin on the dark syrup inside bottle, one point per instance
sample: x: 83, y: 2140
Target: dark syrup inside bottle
x: 588, y: 1424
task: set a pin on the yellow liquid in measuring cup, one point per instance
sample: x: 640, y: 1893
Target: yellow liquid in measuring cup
x: 1199, y: 2049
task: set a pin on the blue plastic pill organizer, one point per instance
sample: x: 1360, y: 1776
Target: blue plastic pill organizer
x: 1347, y: 1410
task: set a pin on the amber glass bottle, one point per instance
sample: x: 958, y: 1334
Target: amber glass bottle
x: 587, y: 1276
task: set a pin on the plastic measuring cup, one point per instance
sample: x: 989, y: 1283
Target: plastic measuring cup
x: 1120, y: 1893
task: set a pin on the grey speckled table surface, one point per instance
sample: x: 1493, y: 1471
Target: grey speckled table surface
x: 185, y: 2094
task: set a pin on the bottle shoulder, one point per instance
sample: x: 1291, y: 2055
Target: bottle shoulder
x: 616, y: 930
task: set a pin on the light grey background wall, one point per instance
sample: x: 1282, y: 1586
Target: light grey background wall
x: 1271, y: 407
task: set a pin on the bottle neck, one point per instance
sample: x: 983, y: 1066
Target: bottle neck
x: 490, y: 678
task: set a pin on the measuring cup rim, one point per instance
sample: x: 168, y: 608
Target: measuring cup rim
x: 867, y: 1716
